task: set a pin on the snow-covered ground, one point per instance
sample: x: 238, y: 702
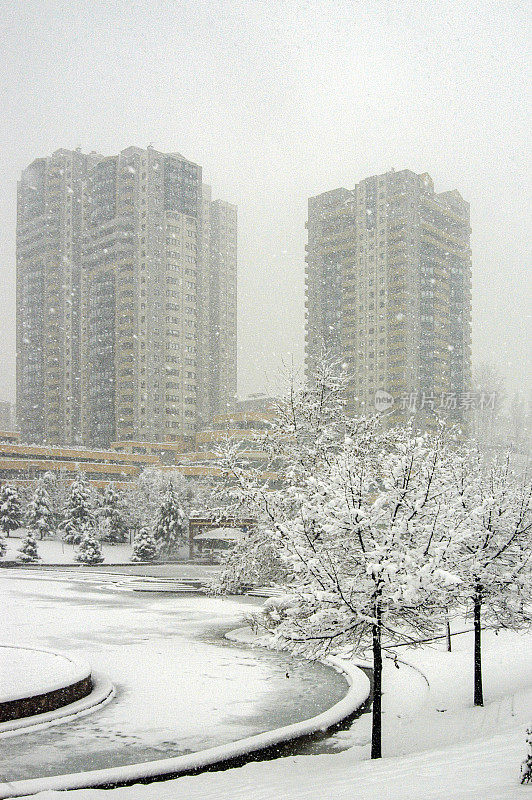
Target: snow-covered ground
x: 437, y: 746
x: 26, y: 672
x: 53, y: 551
x: 486, y: 770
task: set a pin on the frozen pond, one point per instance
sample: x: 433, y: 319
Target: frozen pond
x: 180, y: 686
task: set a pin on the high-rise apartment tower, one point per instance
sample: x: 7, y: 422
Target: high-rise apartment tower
x: 388, y: 290
x: 49, y: 266
x: 142, y: 324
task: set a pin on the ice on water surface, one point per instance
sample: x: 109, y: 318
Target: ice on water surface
x: 180, y: 687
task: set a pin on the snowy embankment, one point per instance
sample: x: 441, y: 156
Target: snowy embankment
x: 437, y: 746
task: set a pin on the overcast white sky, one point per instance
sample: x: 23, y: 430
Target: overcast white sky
x: 279, y: 100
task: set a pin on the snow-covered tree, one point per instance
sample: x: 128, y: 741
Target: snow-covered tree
x: 39, y: 514
x: 3, y: 546
x: 144, y: 497
x: 310, y: 421
x: 10, y: 509
x: 171, y: 525
x: 58, y: 492
x: 526, y: 766
x: 493, y: 548
x: 144, y: 546
x: 255, y: 561
x: 77, y: 513
x: 28, y: 552
x: 112, y: 517
x: 361, y: 523
x: 89, y: 549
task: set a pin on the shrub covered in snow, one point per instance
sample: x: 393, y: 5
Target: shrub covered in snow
x: 254, y: 561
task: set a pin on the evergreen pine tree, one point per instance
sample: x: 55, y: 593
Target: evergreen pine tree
x: 171, y: 524
x: 144, y: 547
x: 89, y: 549
x: 77, y: 513
x: 10, y: 511
x: 2, y: 546
x: 28, y: 550
x: 39, y: 514
x: 113, y: 527
x: 526, y: 766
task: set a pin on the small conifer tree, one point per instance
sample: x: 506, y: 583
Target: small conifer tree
x: 77, y: 513
x: 10, y: 511
x: 113, y: 527
x: 39, y: 515
x: 171, y: 524
x: 144, y: 546
x: 89, y: 549
x: 28, y: 550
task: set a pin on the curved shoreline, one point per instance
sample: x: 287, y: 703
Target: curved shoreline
x: 260, y: 746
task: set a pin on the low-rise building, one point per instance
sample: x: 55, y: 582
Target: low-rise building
x: 246, y: 429
x: 21, y: 463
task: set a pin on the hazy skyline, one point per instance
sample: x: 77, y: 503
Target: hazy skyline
x: 279, y: 101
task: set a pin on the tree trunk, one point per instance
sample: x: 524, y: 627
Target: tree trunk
x: 477, y: 605
x: 376, y: 727
x: 448, y: 633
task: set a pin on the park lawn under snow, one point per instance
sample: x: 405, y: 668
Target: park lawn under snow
x: 54, y: 551
x: 437, y: 746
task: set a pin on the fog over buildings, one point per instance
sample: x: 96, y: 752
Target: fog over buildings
x: 280, y: 102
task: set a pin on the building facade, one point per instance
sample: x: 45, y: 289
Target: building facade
x: 115, y: 313
x: 8, y: 421
x: 49, y: 266
x: 217, y: 311
x: 389, y: 291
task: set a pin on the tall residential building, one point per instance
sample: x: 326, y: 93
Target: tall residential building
x: 7, y: 416
x: 49, y: 259
x: 389, y: 291
x: 144, y: 357
x: 217, y: 307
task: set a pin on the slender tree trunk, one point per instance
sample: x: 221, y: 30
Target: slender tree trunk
x: 376, y: 727
x: 448, y: 633
x: 477, y: 605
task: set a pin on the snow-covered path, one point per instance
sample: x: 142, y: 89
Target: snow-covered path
x: 180, y: 686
